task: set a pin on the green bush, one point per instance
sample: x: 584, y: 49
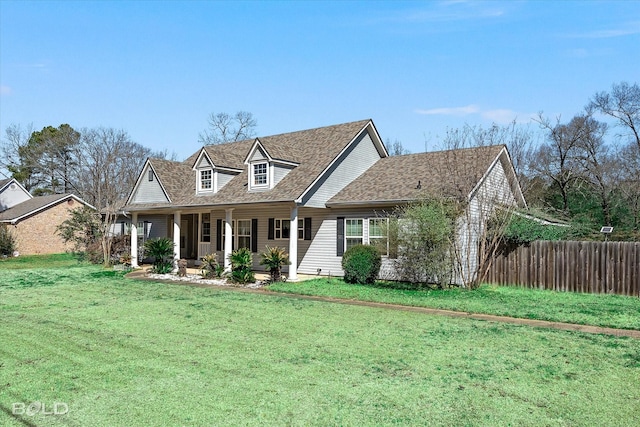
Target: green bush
x: 162, y: 250
x: 361, y: 264
x: 7, y: 241
x: 522, y: 230
x: 241, y: 265
x: 274, y: 258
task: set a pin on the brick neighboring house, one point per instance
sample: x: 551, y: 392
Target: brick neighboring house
x: 33, y: 221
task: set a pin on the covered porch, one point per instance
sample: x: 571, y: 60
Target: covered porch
x: 197, y: 233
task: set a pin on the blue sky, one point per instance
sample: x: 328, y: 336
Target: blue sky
x: 158, y: 68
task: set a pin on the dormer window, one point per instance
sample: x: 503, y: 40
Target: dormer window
x: 206, y: 180
x: 260, y: 174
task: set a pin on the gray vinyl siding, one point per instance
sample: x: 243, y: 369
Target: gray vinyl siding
x: 321, y: 251
x: 12, y: 196
x: 149, y: 191
x: 258, y: 155
x: 223, y: 179
x: 494, y: 190
x: 360, y: 156
x: 204, y: 163
x: 156, y: 225
x: 279, y: 172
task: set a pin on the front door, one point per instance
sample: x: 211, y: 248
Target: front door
x: 184, y: 228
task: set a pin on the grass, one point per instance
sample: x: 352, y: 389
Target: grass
x: 120, y: 352
x: 38, y: 261
x: 599, y: 310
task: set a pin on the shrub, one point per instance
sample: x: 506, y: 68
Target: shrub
x: 241, y: 264
x: 274, y: 258
x: 424, y: 235
x: 211, y: 267
x: 7, y: 241
x: 522, y: 231
x: 162, y: 250
x: 361, y: 264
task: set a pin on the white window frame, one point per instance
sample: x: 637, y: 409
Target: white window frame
x: 234, y: 233
x: 365, y: 238
x: 243, y: 236
x: 371, y: 238
x: 352, y: 237
x: 201, y: 181
x: 278, y: 228
x: 206, y: 219
x: 254, y: 175
x: 300, y: 228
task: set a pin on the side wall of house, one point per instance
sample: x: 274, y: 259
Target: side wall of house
x: 355, y: 161
x: 37, y: 234
x: 11, y: 196
x: 495, y: 190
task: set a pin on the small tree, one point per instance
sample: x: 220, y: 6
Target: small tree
x: 361, y: 264
x: 82, y: 229
x: 241, y: 264
x: 162, y: 250
x: 274, y: 258
x: 424, y: 233
x: 7, y: 241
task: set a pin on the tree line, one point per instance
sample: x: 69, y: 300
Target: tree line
x: 584, y: 170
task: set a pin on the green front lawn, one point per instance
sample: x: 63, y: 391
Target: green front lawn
x: 613, y: 311
x: 120, y: 352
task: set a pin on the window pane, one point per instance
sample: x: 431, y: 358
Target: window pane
x: 354, y: 227
x: 352, y: 242
x: 285, y: 228
x: 376, y: 227
x: 244, y: 227
x: 244, y: 242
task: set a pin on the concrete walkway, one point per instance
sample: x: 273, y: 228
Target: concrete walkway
x: 140, y: 275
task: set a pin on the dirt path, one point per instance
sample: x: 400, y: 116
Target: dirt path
x: 433, y: 311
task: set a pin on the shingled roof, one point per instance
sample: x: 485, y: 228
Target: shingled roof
x: 314, y: 150
x: 4, y: 182
x: 35, y: 205
x: 453, y: 173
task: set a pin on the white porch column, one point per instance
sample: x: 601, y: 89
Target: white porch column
x: 198, y: 236
x: 176, y: 236
x: 293, y: 245
x: 134, y: 240
x: 228, y: 238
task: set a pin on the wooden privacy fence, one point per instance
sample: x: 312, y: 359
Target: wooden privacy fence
x: 591, y: 267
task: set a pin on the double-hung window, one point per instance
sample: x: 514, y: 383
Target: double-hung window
x: 240, y: 233
x: 206, y: 228
x: 282, y: 228
x: 353, y: 232
x: 260, y: 174
x: 206, y: 180
x: 378, y: 234
x: 244, y: 233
